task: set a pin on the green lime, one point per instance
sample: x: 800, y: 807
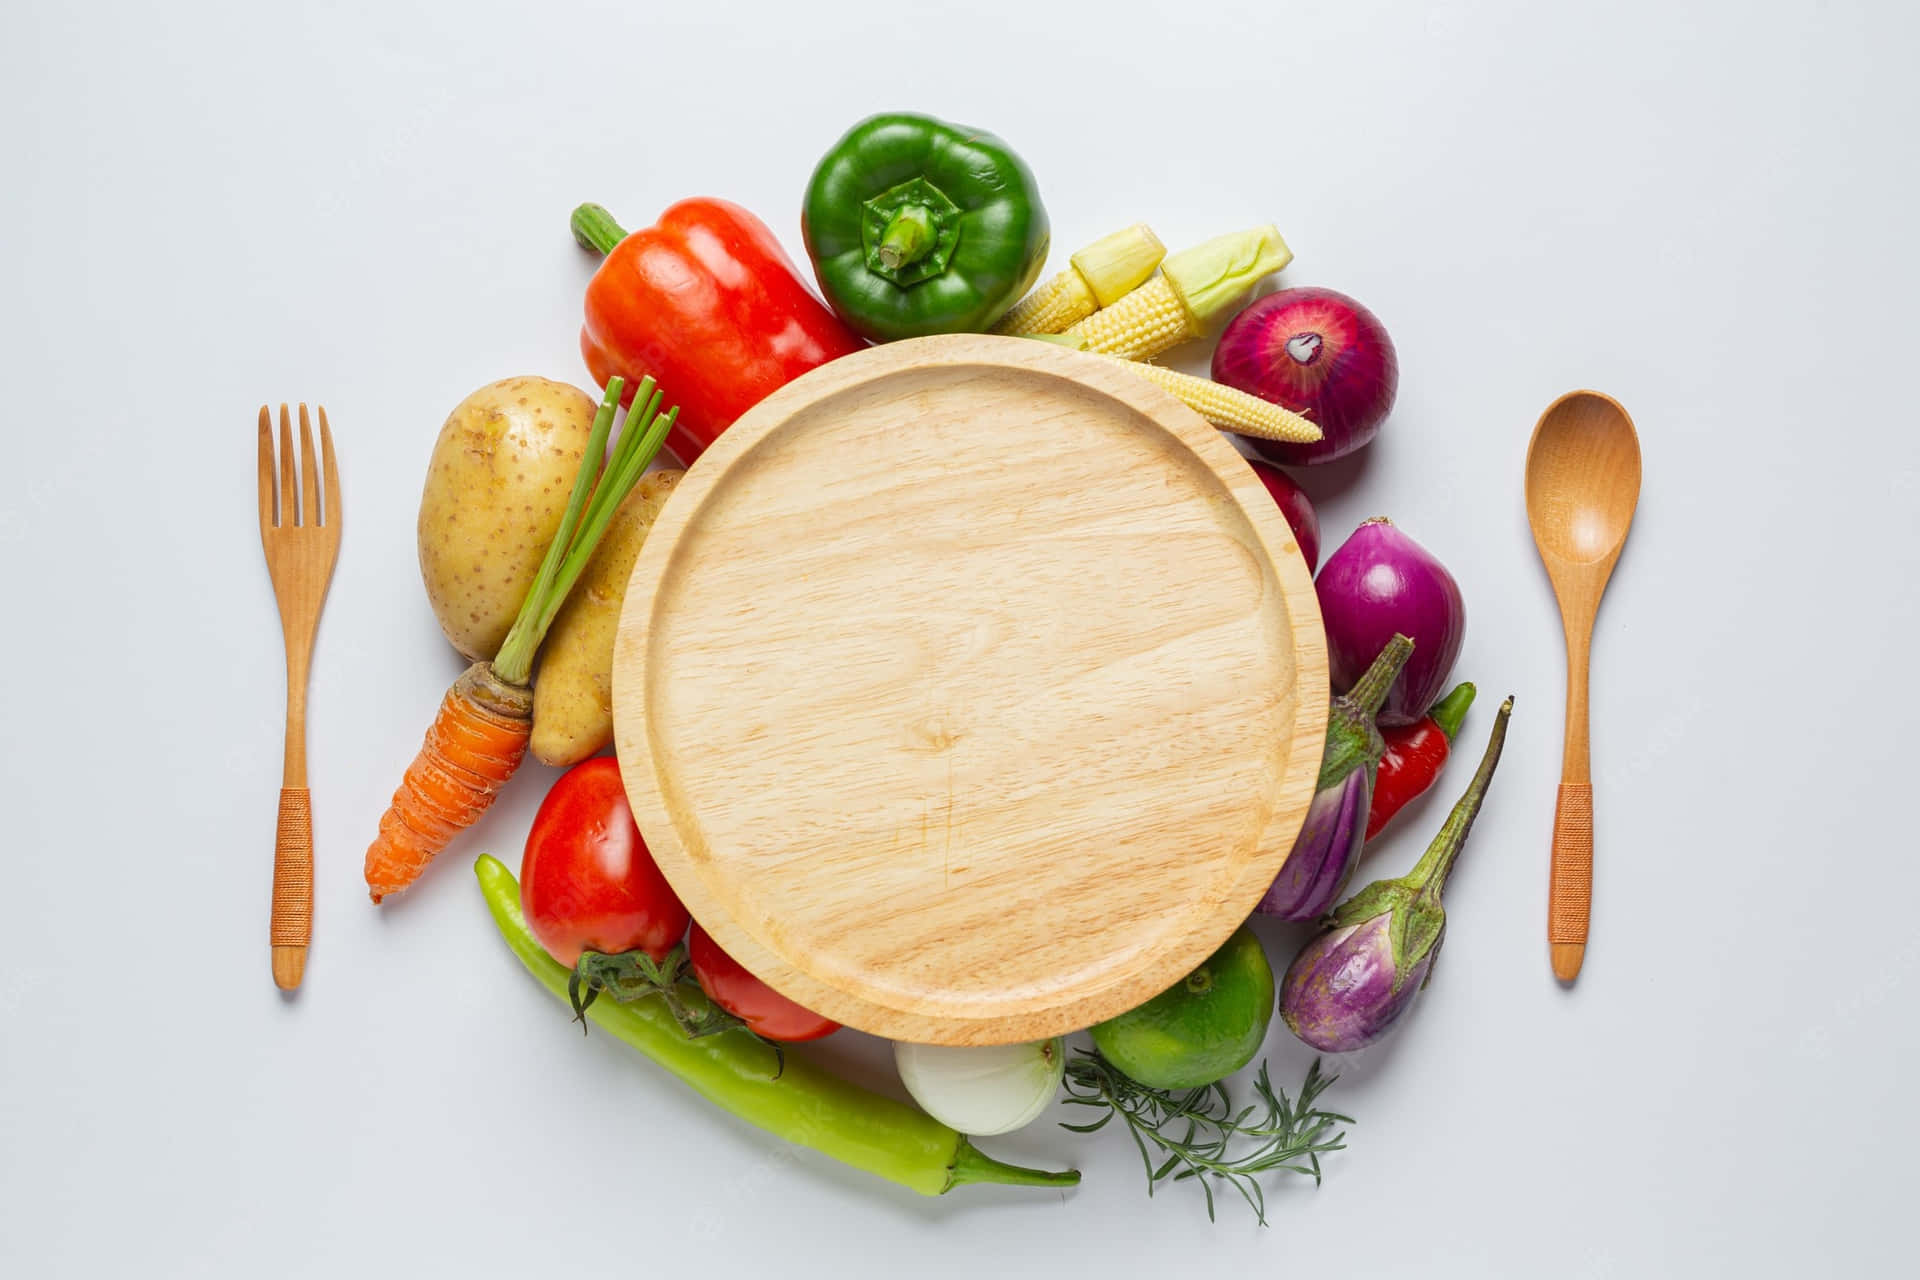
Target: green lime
x: 1201, y: 1029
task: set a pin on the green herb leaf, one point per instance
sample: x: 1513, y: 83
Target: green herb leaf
x: 1194, y: 1128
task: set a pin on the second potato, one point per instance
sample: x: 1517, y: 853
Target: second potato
x: 573, y: 693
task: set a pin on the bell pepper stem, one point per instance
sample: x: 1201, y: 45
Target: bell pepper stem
x: 909, y: 236
x: 1451, y: 711
x: 594, y: 228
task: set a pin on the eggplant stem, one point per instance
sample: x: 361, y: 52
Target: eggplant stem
x: 1370, y: 691
x: 1429, y: 875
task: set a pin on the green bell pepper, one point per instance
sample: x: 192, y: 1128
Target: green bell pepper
x: 916, y: 226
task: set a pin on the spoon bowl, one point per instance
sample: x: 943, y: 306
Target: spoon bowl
x: 1583, y: 478
x: 1583, y: 483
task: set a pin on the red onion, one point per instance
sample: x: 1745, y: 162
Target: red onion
x: 1296, y: 506
x: 1320, y: 354
x: 1380, y: 582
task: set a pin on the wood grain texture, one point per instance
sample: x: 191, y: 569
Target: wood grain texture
x: 300, y: 533
x: 970, y: 690
x: 1583, y: 483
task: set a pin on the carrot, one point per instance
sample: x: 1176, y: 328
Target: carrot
x: 480, y: 733
x: 474, y: 746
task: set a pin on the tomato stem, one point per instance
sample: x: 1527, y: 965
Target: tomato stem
x: 802, y: 1103
x: 627, y: 976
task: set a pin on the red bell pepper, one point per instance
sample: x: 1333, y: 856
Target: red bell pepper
x: 1414, y: 756
x: 706, y: 302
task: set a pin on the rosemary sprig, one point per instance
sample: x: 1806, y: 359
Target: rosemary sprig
x: 1194, y: 1128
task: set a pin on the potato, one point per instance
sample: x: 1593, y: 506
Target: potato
x: 497, y: 487
x: 573, y: 692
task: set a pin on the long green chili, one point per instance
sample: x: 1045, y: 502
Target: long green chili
x: 782, y: 1093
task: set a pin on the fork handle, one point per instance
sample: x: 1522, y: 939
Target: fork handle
x: 292, y: 920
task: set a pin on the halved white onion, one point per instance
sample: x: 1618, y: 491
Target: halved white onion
x: 986, y: 1089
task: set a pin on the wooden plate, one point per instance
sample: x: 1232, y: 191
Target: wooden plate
x: 970, y: 690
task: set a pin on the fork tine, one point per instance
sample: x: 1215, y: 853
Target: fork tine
x: 309, y: 474
x: 266, y: 470
x: 289, y: 503
x: 333, y: 471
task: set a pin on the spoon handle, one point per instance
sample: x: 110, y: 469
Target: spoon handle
x: 1570, y: 892
x: 1570, y: 888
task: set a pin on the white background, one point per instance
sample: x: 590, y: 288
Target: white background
x: 1705, y: 210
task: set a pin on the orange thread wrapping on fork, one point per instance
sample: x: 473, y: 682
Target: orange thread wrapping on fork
x: 1570, y: 901
x: 292, y: 920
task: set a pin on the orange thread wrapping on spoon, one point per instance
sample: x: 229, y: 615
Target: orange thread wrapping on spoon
x: 1571, y: 895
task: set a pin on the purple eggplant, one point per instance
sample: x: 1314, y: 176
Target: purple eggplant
x: 1328, y: 846
x: 1354, y: 981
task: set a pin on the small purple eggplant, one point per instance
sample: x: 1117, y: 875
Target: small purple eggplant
x: 1354, y: 981
x: 1328, y: 846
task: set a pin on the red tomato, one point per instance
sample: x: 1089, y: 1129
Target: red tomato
x: 764, y: 1010
x: 587, y: 882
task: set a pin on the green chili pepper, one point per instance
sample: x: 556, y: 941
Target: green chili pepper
x: 916, y: 226
x: 777, y: 1090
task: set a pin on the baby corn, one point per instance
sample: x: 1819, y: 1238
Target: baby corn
x: 1192, y: 287
x: 1227, y: 408
x: 1097, y: 276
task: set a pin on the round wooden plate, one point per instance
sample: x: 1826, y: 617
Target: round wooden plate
x: 970, y: 690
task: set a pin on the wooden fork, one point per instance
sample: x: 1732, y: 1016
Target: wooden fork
x: 302, y: 540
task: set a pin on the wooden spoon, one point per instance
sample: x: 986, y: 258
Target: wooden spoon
x: 1583, y: 481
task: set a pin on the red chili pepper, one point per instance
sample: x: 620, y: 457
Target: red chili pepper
x: 1415, y: 754
x: 706, y: 302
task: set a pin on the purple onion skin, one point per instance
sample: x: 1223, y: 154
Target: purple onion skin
x: 1325, y: 852
x: 1339, y: 994
x: 1296, y: 506
x: 1318, y: 353
x: 1378, y: 582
